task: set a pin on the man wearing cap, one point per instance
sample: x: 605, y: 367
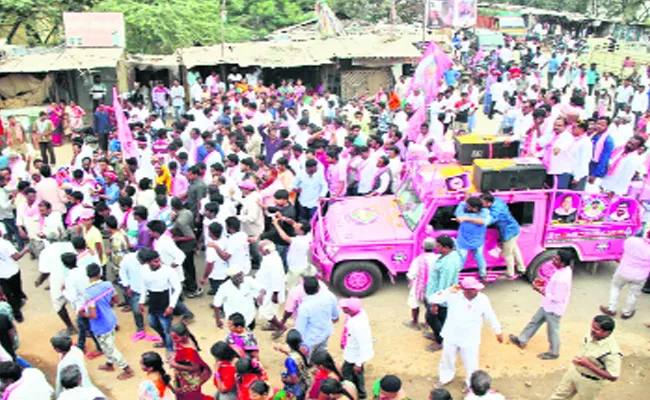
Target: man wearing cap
x: 599, y: 360
x: 356, y: 343
x: 556, y: 292
x: 239, y: 294
x: 462, y: 330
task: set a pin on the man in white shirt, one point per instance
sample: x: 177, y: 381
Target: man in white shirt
x: 10, y: 281
x: 272, y: 278
x: 524, y: 121
x: 623, y: 164
x: 238, y: 245
x: 358, y: 349
x: 462, y: 330
x: 131, y: 280
x: 21, y: 384
x: 558, y: 156
x: 623, y: 97
x: 216, y: 257
x: 581, y: 152
x: 178, y: 99
x: 162, y: 289
x: 639, y: 102
x: 239, y: 294
x: 416, y: 100
x: 70, y: 355
x: 50, y: 267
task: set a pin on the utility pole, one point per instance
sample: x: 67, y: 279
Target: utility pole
x: 223, y: 29
x: 393, y: 17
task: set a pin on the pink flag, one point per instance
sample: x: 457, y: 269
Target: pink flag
x: 427, y: 77
x: 429, y: 72
x: 124, y: 135
x: 478, y: 57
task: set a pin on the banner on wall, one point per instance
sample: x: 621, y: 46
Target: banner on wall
x: 450, y: 13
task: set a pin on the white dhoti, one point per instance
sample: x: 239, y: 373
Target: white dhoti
x: 468, y: 354
x: 412, y: 300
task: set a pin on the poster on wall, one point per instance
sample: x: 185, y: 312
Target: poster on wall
x: 464, y: 13
x: 439, y: 14
x: 450, y: 13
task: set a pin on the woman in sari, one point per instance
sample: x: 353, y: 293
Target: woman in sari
x: 16, y: 137
x: 284, y: 180
x: 191, y: 371
x: 248, y: 372
x: 325, y: 368
x: 76, y: 115
x: 55, y: 113
x: 265, y: 175
x: 331, y: 389
x: 157, y: 383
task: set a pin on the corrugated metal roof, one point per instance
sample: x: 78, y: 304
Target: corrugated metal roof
x: 285, y: 54
x: 62, y: 59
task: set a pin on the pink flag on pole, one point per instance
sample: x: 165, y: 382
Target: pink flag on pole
x: 429, y: 72
x: 427, y: 77
x: 124, y: 135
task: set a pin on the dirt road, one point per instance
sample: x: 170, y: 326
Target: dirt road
x: 517, y: 374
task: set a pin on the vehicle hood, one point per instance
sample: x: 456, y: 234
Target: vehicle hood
x: 366, y: 219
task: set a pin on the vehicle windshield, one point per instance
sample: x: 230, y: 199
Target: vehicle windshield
x: 511, y: 23
x: 490, y: 40
x: 409, y: 204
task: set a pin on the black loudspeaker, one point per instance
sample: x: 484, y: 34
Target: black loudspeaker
x: 519, y: 173
x: 473, y: 147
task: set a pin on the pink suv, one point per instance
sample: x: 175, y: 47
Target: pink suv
x: 358, y: 241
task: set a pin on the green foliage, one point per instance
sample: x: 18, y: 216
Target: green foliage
x: 42, y: 19
x: 162, y: 26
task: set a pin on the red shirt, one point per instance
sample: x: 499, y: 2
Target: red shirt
x: 226, y: 373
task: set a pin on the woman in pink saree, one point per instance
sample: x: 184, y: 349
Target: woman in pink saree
x: 55, y: 112
x: 76, y: 115
x: 284, y: 181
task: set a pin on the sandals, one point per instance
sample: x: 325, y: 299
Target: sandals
x: 433, y: 347
x: 411, y: 325
x: 628, y: 315
x: 515, y: 340
x: 607, y: 311
x: 547, y: 356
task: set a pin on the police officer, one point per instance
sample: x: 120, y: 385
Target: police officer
x: 599, y: 360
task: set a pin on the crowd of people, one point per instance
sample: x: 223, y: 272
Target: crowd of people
x: 239, y: 175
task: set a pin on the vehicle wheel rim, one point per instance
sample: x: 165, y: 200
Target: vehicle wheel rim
x: 358, y: 281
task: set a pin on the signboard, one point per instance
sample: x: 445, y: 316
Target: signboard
x: 88, y: 29
x: 450, y: 14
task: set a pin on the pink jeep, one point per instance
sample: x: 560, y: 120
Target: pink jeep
x: 359, y: 240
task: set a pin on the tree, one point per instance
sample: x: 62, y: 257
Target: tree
x: 42, y: 19
x: 165, y: 25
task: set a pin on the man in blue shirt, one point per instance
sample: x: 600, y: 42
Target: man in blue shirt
x: 553, y: 67
x: 473, y: 221
x: 316, y: 315
x: 451, y: 77
x: 310, y: 186
x: 603, y: 147
x: 508, y: 233
x: 102, y: 126
x: 100, y: 296
x: 443, y: 274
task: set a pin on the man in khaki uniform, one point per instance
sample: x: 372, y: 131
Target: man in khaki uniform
x: 599, y: 360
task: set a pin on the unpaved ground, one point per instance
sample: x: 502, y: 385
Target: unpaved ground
x: 517, y: 374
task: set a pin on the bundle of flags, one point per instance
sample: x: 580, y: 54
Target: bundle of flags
x: 124, y: 134
x: 427, y: 77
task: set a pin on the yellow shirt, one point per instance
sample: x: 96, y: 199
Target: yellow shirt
x: 165, y: 178
x: 603, y: 353
x: 94, y: 236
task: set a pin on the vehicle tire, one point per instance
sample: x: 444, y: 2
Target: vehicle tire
x: 537, y: 268
x: 357, y: 278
